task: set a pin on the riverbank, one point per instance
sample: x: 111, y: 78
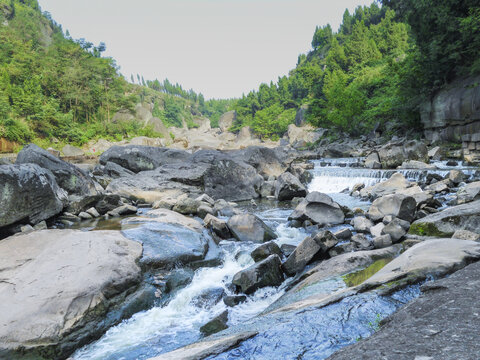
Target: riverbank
x: 242, y: 243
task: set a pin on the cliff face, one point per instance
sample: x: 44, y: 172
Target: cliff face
x: 454, y: 115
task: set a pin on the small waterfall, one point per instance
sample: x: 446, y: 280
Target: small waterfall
x: 335, y: 175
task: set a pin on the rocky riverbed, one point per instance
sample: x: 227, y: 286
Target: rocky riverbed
x: 259, y: 252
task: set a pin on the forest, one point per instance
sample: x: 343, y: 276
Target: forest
x: 372, y: 73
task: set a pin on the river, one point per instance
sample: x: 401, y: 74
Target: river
x: 311, y: 334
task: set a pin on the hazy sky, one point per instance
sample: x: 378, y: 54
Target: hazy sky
x: 222, y: 48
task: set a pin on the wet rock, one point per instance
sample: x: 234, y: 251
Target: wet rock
x: 396, y: 182
x: 318, y: 208
x: 28, y: 193
x: 178, y: 278
x: 225, y: 208
x: 288, y: 186
x: 382, y: 241
x: 264, y: 273
x: 69, y: 286
x: 446, y: 222
x: 287, y: 249
x: 466, y: 235
x: 310, y: 248
x: 343, y: 234
x: 204, y: 349
x: 265, y: 250
x: 204, y: 198
x: 169, y: 239
x: 209, y: 297
x: 68, y: 176
x: 400, y: 206
x: 233, y: 300
x: 361, y: 224
x: 204, y: 210
x: 215, y: 325
x: 107, y: 203
x: 267, y: 189
x: 422, y: 329
x: 248, y: 227
x: 361, y: 242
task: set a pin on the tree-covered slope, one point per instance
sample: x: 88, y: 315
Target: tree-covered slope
x: 54, y: 87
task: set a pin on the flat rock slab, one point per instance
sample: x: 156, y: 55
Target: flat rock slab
x: 446, y: 222
x: 56, y: 287
x: 168, y: 238
x: 204, y: 349
x: 443, y: 323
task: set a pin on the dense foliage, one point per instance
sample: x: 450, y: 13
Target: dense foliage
x: 349, y: 80
x: 447, y: 35
x: 55, y: 87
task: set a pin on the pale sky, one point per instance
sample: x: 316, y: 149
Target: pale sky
x: 222, y: 48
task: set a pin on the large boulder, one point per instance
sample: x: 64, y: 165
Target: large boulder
x: 309, y: 249
x: 264, y: 273
x: 373, y: 161
x: 397, y: 182
x: 319, y: 209
x: 446, y: 222
x: 28, y: 193
x: 226, y: 177
x: 401, y: 206
x: 266, y: 161
x: 394, y: 154
x: 288, y: 187
x: 303, y: 136
x: 63, y: 288
x: 169, y: 239
x: 227, y: 120
x: 248, y: 227
x: 469, y: 192
x: 142, y: 158
x: 68, y: 176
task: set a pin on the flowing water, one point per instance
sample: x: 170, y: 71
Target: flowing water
x: 312, y: 334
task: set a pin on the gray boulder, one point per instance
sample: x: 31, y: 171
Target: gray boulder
x: 226, y: 120
x: 361, y: 242
x: 138, y: 158
x: 383, y: 241
x: 309, y: 249
x: 28, y: 193
x: 288, y: 187
x: 262, y: 274
x: 218, y: 323
x: 401, y: 206
x: 446, y: 222
x: 63, y: 288
x: 265, y: 250
x: 397, y: 228
x: 319, y: 209
x: 69, y: 150
x: 397, y: 182
x: 373, y: 161
x: 361, y: 224
x: 248, y: 227
x: 469, y: 192
x: 394, y: 154
x: 218, y: 226
x: 68, y: 176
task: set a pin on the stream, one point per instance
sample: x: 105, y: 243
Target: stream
x: 306, y: 334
